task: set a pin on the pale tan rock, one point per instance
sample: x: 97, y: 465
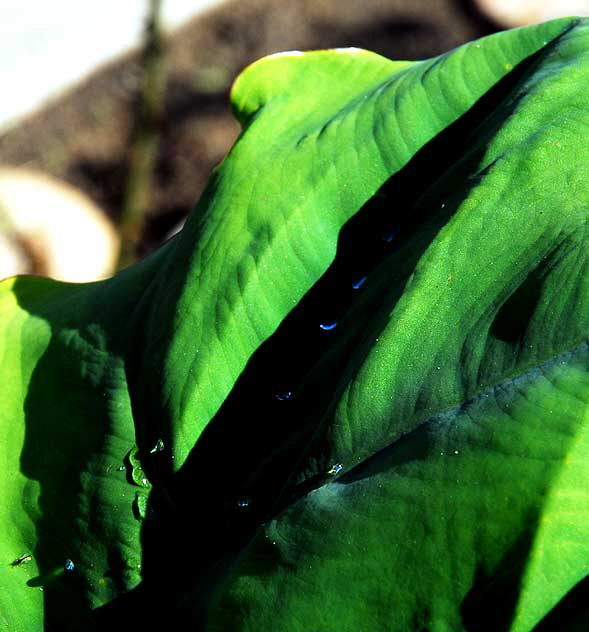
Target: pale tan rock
x: 512, y: 13
x: 58, y: 229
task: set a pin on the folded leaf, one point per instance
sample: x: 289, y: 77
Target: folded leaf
x: 351, y: 393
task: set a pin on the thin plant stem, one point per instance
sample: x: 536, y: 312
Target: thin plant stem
x: 145, y: 137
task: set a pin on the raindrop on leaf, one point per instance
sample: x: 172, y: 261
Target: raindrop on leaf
x: 158, y: 447
x: 23, y: 559
x: 140, y: 505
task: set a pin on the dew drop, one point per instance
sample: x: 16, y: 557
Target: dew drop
x: 335, y: 469
x: 23, y: 559
x: 137, y: 474
x: 121, y: 468
x: 455, y: 451
x: 244, y: 502
x: 140, y: 506
x: 328, y: 326
x: 359, y: 283
x: 158, y: 447
x: 284, y: 396
x: 389, y: 236
x: 68, y: 566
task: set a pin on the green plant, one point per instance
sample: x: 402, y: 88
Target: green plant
x: 305, y: 448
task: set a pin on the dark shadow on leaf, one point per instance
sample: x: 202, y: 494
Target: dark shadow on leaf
x: 490, y: 604
x: 514, y: 316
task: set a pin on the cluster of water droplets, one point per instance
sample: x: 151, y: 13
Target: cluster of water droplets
x: 329, y: 325
x: 138, y: 477
x: 377, y: 247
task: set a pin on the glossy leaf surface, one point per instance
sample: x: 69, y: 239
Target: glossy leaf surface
x: 352, y: 391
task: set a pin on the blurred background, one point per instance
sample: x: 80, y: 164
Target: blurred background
x: 114, y: 113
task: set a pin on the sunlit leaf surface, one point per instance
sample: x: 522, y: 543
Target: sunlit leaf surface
x: 352, y: 394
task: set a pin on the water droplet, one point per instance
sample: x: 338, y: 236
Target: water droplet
x: 328, y: 326
x: 68, y: 565
x: 244, y: 502
x: 137, y: 473
x: 284, y: 396
x: 140, y: 506
x: 336, y: 468
x: 389, y: 236
x: 23, y: 559
x: 359, y: 283
x: 121, y: 468
x: 158, y: 447
x: 455, y: 451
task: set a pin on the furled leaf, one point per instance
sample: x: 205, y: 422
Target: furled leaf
x: 351, y: 394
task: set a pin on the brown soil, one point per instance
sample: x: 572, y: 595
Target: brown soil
x: 83, y: 136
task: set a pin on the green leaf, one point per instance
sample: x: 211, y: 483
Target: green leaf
x: 460, y: 408
x: 177, y: 431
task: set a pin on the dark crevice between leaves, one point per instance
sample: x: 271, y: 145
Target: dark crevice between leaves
x: 262, y: 450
